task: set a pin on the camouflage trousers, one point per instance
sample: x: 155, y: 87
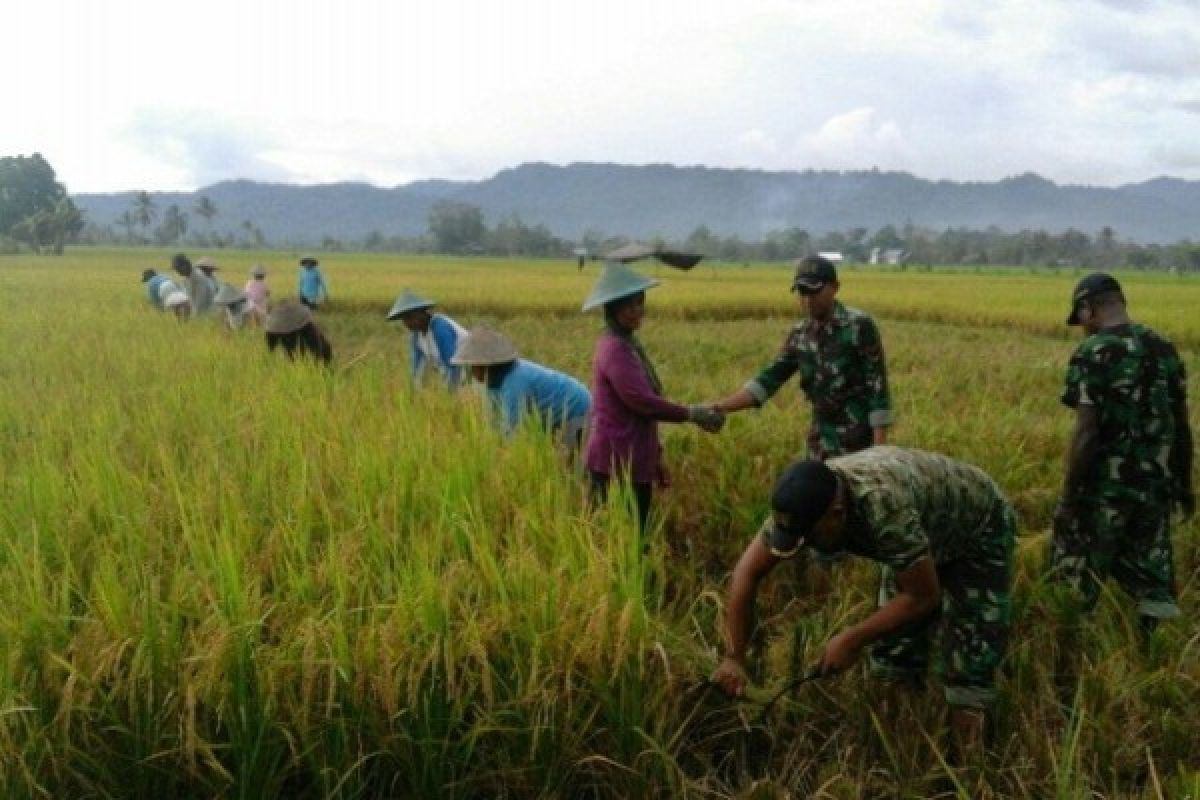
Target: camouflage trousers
x: 972, y: 623
x: 1125, y: 539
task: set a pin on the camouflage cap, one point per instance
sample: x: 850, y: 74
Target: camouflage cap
x: 801, y: 496
x: 1088, y: 287
x: 813, y: 273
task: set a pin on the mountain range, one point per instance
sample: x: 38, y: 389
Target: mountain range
x: 661, y: 200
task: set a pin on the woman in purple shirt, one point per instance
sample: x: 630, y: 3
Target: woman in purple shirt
x: 627, y: 401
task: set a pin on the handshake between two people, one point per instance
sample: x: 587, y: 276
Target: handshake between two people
x: 707, y: 417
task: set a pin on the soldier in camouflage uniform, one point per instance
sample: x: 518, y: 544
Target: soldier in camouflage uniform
x: 839, y: 356
x: 944, y: 534
x: 1130, y: 456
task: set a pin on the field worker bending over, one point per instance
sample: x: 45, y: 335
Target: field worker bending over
x: 944, y: 534
x: 1130, y: 456
x: 839, y: 356
x: 158, y: 287
x: 518, y: 387
x: 236, y: 306
x: 292, y: 326
x: 258, y: 293
x: 311, y: 284
x: 199, y: 290
x: 209, y: 267
x: 627, y: 401
x: 433, y: 338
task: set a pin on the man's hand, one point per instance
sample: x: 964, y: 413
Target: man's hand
x: 730, y: 675
x: 840, y: 653
x: 708, y: 418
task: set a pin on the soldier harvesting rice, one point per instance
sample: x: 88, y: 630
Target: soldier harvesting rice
x: 943, y: 533
x: 1130, y: 456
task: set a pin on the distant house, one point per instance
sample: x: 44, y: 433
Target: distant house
x: 880, y: 255
x: 833, y: 256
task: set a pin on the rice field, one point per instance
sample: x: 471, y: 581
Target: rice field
x: 223, y: 575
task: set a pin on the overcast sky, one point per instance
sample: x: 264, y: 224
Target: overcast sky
x: 166, y: 95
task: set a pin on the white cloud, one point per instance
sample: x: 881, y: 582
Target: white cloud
x: 129, y: 94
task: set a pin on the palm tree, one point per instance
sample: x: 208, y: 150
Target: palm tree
x: 144, y: 211
x: 205, y: 209
x: 126, y: 221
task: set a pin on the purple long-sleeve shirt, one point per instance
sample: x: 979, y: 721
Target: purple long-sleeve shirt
x: 625, y: 414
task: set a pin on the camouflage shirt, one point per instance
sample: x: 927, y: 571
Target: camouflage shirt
x: 1134, y: 378
x: 909, y: 503
x: 842, y: 373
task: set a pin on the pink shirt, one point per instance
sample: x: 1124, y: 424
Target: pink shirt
x: 625, y: 414
x: 257, y: 292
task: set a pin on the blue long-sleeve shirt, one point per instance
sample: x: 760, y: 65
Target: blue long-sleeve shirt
x: 311, y: 285
x: 531, y: 388
x: 152, y: 290
x: 444, y: 333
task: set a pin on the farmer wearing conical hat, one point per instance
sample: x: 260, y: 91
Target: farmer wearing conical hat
x: 518, y: 386
x: 311, y: 283
x: 291, y: 325
x: 627, y: 401
x: 258, y: 293
x: 944, y: 534
x: 209, y: 267
x: 838, y: 355
x: 433, y: 338
x: 235, y: 304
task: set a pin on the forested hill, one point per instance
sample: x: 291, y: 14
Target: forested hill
x: 671, y: 202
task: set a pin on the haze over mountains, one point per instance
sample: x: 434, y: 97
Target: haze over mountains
x: 671, y: 202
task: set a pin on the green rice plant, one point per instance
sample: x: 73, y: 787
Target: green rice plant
x: 227, y: 575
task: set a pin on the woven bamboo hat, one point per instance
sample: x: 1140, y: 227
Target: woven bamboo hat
x: 615, y: 282
x: 207, y: 263
x: 288, y: 318
x: 259, y: 271
x: 483, y: 347
x: 409, y: 301
x: 227, y: 295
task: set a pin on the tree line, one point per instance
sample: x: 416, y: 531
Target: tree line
x: 37, y: 212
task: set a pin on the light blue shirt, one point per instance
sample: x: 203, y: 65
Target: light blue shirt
x: 554, y: 396
x: 312, y: 285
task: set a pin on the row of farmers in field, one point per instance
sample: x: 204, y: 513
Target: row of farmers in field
x: 196, y: 290
x: 942, y: 530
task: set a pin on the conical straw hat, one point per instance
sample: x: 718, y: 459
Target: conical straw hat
x: 409, y: 301
x: 615, y: 282
x: 288, y: 318
x: 227, y: 295
x: 483, y: 347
